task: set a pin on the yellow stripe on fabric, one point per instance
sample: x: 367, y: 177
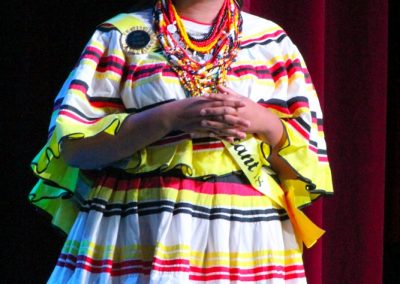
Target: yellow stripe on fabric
x: 89, y: 62
x: 254, y: 36
x: 296, y: 113
x: 108, y: 75
x: 166, y: 79
x: 182, y: 195
x: 97, y: 44
x: 197, y: 258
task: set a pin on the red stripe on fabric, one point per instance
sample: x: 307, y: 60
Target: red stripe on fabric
x: 261, y: 72
x: 78, y: 87
x: 299, y: 129
x: 77, y: 118
x: 109, y: 68
x: 263, y: 37
x: 97, y: 104
x: 313, y: 148
x: 203, y: 187
x: 276, y: 107
x: 181, y: 265
x: 247, y: 278
x: 108, y: 64
x: 294, y: 106
x: 293, y: 66
x: 323, y: 159
x: 287, y: 68
x: 107, y: 104
x: 136, y: 72
x: 95, y: 50
x: 255, y: 270
x: 208, y: 146
x: 91, y: 57
x: 176, y: 261
x: 112, y: 59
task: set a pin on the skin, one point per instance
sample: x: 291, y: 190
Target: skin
x: 227, y: 115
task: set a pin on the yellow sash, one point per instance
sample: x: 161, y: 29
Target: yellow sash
x: 246, y: 154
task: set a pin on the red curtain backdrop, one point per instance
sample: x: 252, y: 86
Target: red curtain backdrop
x: 356, y: 74
x: 345, y: 47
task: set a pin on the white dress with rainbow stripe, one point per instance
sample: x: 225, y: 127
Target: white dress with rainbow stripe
x: 180, y: 210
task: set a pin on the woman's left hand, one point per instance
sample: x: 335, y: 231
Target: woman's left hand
x: 262, y: 122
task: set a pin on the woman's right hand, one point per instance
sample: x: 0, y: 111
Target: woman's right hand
x: 186, y: 115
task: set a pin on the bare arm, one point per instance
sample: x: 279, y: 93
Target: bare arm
x: 141, y: 129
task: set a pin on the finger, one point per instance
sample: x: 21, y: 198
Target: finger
x: 227, y: 91
x: 219, y: 99
x: 231, y: 120
x: 233, y: 134
x: 234, y: 120
x: 222, y: 129
x: 214, y: 125
x: 216, y: 111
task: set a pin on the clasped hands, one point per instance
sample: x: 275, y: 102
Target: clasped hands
x: 225, y: 115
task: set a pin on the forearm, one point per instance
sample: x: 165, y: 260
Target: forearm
x: 274, y: 134
x: 136, y: 132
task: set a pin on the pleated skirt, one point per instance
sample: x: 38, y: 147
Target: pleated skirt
x: 174, y: 229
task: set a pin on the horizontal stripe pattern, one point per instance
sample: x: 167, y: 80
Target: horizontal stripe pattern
x: 158, y: 224
x: 181, y: 265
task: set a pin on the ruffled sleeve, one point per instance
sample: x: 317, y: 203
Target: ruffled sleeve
x: 296, y: 102
x: 88, y: 103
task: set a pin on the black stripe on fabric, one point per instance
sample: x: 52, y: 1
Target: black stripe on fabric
x: 151, y: 70
x: 251, y: 69
x: 287, y: 69
x: 313, y: 143
x: 283, y: 103
x: 80, y: 83
x: 158, y: 207
x: 294, y: 64
x: 105, y: 64
x: 320, y: 121
x: 277, y: 71
x: 303, y: 123
x: 135, y: 110
x: 297, y: 99
x: 78, y: 112
x: 265, y: 42
x: 313, y: 114
x: 90, y: 52
x: 205, y: 140
x: 95, y: 99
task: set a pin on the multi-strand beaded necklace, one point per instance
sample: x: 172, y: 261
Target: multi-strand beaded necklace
x: 219, y: 47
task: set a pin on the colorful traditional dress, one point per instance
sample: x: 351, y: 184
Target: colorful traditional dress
x: 180, y: 210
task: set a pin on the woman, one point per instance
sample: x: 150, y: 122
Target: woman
x: 180, y: 148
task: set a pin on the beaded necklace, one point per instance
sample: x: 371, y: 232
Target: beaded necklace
x: 219, y: 47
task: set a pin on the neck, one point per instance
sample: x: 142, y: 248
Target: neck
x: 199, y: 10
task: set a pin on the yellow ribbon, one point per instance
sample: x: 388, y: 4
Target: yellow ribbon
x: 246, y: 155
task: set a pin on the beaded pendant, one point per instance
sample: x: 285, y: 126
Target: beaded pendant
x: 218, y: 48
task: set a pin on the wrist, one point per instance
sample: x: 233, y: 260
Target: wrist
x: 271, y: 130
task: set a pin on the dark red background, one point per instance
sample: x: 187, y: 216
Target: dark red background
x: 353, y: 57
